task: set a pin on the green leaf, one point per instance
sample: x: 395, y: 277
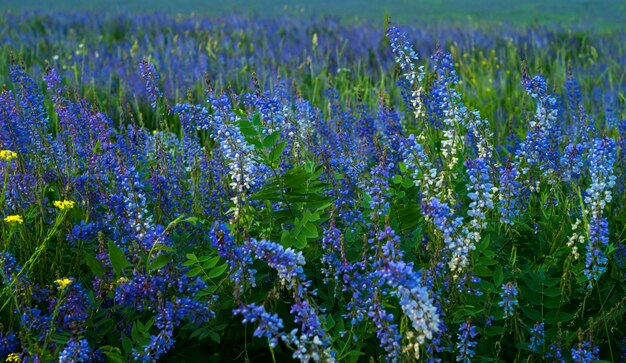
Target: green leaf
x: 285, y: 238
x: 554, y: 317
x: 195, y: 271
x: 256, y: 119
x: 270, y: 140
x: 218, y: 271
x: 533, y: 314
x: 277, y: 152
x: 552, y: 302
x: 552, y: 291
x: 407, y: 183
x: 530, y: 295
x: 160, y: 261
x: 208, y: 262
x: 113, y: 354
x: 127, y: 344
x: 553, y: 281
x: 299, y: 242
x: 139, y: 334
x: 255, y: 142
x: 486, y: 261
x: 94, y: 265
x: 249, y: 132
x: 118, y: 258
x: 482, y: 271
x: 214, y: 336
x: 310, y: 230
x: 330, y: 322
x: 494, y: 330
x: 189, y: 263
x: 533, y: 281
x: 193, y: 220
x: 97, y: 147
x: 206, y: 292
x: 498, y: 276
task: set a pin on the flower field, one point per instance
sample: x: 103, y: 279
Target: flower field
x: 186, y: 188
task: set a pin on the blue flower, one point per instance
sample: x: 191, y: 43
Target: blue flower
x: 509, y: 299
x: 585, y: 352
x: 465, y: 344
x: 76, y: 351
x: 269, y: 326
x: 150, y: 76
x: 601, y: 159
x: 537, y: 336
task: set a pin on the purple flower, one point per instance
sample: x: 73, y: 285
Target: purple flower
x: 479, y: 193
x: 386, y: 331
x: 150, y: 77
x: 585, y: 352
x: 509, y: 299
x: 9, y: 342
x: 556, y: 353
x: 465, y: 345
x: 76, y: 351
x: 601, y: 159
x: 269, y: 326
x: 509, y: 193
x: 537, y: 336
x: 287, y: 262
x: 539, y: 147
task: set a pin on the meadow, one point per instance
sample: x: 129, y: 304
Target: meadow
x: 183, y: 188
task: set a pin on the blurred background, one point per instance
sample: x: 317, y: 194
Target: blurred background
x: 97, y: 47
x: 586, y: 13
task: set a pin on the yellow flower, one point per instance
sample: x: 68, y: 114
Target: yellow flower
x: 14, y: 219
x: 7, y: 155
x: 64, y: 204
x: 13, y: 357
x: 63, y: 283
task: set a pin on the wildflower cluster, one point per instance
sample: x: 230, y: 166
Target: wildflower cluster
x: 332, y: 228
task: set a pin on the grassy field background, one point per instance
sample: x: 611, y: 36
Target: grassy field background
x: 608, y: 14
